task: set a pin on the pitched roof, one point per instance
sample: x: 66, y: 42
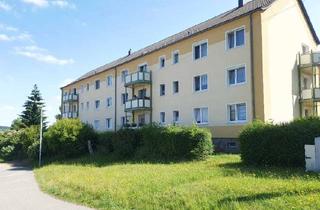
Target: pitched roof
x: 223, y: 18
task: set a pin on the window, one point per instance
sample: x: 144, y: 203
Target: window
x: 305, y: 49
x: 109, y: 101
x: 200, y: 83
x: 201, y: 115
x: 143, y: 68
x: 305, y: 83
x: 175, y: 87
x: 235, y: 38
x: 123, y: 75
x: 231, y: 145
x: 162, y: 90
x: 96, y: 124
x: 162, y: 62
x: 74, y: 91
x: 123, y: 121
x: 237, y: 112
x: 88, y: 86
x: 162, y: 117
x: 82, y: 89
x: 141, y: 120
x: 175, y: 57
x: 200, y: 51
x: 176, y: 116
x: 109, y: 81
x: 88, y: 105
x: 82, y: 106
x: 97, y: 84
x: 237, y: 76
x: 109, y: 123
x: 124, y: 98
x: 97, y: 103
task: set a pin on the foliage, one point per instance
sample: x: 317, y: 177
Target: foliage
x: 32, y: 108
x: 69, y: 138
x: 174, y: 142
x: 125, y: 143
x: 104, y: 142
x: 17, y: 124
x: 280, y: 145
x: 220, y: 182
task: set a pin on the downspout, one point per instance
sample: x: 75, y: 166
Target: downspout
x: 252, y: 69
x: 115, y: 100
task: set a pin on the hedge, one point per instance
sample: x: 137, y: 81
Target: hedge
x: 270, y: 144
x: 155, y: 142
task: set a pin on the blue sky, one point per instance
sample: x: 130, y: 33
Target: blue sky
x: 52, y: 42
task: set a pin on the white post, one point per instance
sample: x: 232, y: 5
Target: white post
x: 40, y: 149
x: 317, y: 159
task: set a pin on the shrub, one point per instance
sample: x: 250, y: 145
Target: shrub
x: 279, y: 145
x: 104, y: 142
x: 11, y: 147
x: 125, y: 143
x: 69, y: 138
x: 30, y: 140
x: 174, y: 143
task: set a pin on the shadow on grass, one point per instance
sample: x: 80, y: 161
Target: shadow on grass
x: 233, y: 169
x: 100, y: 160
x: 265, y: 196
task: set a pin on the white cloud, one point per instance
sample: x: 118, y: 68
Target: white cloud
x: 20, y: 37
x: 56, y: 3
x: 4, y: 27
x: 4, y: 6
x: 37, y: 3
x: 42, y: 55
x: 63, y: 4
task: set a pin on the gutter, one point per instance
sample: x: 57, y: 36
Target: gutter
x: 252, y: 69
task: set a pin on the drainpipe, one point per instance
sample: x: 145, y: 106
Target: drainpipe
x: 252, y: 69
x: 115, y: 99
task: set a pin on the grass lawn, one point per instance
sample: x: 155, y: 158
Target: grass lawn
x: 221, y: 182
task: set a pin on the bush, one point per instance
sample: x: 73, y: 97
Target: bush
x: 69, y: 138
x: 30, y: 140
x: 278, y: 145
x: 104, y: 142
x: 11, y: 147
x: 125, y: 143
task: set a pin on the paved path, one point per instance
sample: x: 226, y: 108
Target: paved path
x: 19, y: 191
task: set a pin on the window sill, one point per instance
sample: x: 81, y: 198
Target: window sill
x: 237, y: 84
x: 234, y: 48
x: 200, y: 91
x: 237, y: 122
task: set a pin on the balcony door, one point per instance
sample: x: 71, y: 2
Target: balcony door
x: 142, y: 93
x: 143, y: 68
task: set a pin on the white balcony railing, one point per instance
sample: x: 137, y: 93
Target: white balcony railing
x: 311, y: 94
x: 70, y: 97
x: 138, y: 77
x: 135, y: 104
x: 310, y: 59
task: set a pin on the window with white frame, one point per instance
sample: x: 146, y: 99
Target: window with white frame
x: 82, y: 106
x: 176, y: 116
x: 200, y: 50
x: 162, y: 90
x: 109, y: 101
x: 235, y: 38
x: 88, y: 105
x: 175, y: 57
x: 175, y: 87
x: 143, y: 68
x: 162, y: 61
x: 97, y: 84
x: 82, y: 89
x: 201, y: 83
x: 88, y: 86
x: 109, y: 81
x: 97, y: 103
x: 124, y: 73
x: 96, y: 124
x: 237, y: 76
x: 201, y: 115
x: 109, y: 123
x: 162, y: 117
x: 237, y: 112
x: 124, y: 98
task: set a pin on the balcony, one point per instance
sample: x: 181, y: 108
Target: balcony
x: 313, y: 93
x: 138, y: 104
x: 309, y: 59
x: 138, y: 78
x: 70, y: 115
x: 70, y: 98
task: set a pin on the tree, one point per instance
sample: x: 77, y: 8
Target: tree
x: 32, y: 108
x: 17, y: 124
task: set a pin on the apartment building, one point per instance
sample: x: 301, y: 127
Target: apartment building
x: 256, y: 61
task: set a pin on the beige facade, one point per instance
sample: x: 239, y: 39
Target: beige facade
x: 223, y: 90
